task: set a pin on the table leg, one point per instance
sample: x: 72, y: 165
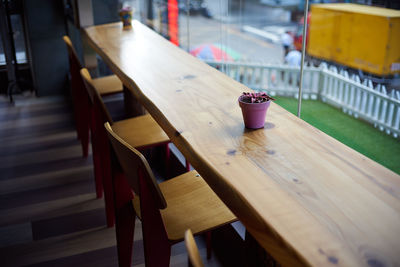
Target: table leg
x: 256, y: 255
x: 132, y: 105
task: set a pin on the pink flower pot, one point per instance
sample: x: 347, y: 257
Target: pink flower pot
x: 254, y: 113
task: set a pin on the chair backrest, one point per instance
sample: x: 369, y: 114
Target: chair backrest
x: 157, y: 248
x: 134, y: 165
x: 193, y: 251
x: 94, y: 96
x: 80, y: 98
x: 73, y: 56
x: 74, y: 67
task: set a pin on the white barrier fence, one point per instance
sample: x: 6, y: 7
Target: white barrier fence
x: 356, y: 98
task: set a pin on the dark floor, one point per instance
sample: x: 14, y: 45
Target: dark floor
x: 49, y: 214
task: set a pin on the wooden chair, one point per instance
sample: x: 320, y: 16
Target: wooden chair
x: 105, y: 86
x: 193, y: 251
x: 140, y: 132
x: 166, y: 209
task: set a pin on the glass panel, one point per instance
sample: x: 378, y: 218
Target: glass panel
x: 19, y: 39
x: 2, y: 56
x: 355, y: 82
x: 238, y: 28
x: 258, y: 37
x: 352, y: 69
x: 19, y: 42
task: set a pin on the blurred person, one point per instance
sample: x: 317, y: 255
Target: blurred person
x: 287, y: 41
x: 293, y: 58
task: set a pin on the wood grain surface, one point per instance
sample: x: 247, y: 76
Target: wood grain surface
x: 49, y: 213
x: 107, y: 85
x: 193, y: 251
x: 305, y: 197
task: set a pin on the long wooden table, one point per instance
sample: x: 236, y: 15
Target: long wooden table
x: 307, y: 198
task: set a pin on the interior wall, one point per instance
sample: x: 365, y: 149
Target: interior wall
x: 105, y: 11
x: 46, y: 26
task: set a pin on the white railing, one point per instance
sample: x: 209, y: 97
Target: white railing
x: 274, y: 79
x: 356, y: 98
x: 362, y: 100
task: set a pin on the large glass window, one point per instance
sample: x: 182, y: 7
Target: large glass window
x: 19, y: 41
x: 351, y: 74
x: 354, y: 47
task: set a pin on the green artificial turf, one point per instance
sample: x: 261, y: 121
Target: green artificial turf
x: 355, y: 133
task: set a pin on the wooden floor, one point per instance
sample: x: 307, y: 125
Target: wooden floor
x: 49, y: 215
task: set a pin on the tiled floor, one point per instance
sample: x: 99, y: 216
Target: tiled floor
x: 49, y: 214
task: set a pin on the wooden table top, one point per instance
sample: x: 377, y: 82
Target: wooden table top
x: 307, y: 198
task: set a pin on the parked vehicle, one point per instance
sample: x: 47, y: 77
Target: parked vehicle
x: 359, y: 37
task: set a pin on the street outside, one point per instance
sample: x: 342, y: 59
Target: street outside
x: 253, y: 32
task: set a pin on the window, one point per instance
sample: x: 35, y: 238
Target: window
x: 351, y: 76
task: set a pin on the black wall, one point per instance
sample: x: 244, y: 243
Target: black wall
x: 105, y: 11
x: 46, y: 26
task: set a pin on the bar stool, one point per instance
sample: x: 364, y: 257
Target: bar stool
x: 140, y: 132
x: 166, y: 209
x: 104, y: 85
x: 193, y: 251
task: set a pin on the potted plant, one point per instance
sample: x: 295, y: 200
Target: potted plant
x: 126, y: 17
x: 254, y: 108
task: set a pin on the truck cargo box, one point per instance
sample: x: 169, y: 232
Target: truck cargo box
x: 357, y: 36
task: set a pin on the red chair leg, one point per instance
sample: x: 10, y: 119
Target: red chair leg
x: 85, y: 142
x: 81, y: 105
x: 124, y: 230
x: 167, y: 159
x: 209, y: 244
x: 157, y: 248
x: 75, y: 105
x: 84, y: 117
x: 107, y: 175
x: 108, y: 189
x: 124, y: 219
x: 187, y: 165
x: 83, y: 134
x: 75, y: 110
x: 97, y: 173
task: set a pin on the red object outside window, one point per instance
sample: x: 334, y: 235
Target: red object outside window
x: 173, y: 14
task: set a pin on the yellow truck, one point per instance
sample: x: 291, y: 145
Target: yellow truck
x: 358, y: 36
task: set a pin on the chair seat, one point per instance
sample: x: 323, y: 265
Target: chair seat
x: 191, y: 204
x: 140, y: 131
x: 108, y: 85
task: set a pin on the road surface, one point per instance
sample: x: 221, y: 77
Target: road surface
x: 253, y: 48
